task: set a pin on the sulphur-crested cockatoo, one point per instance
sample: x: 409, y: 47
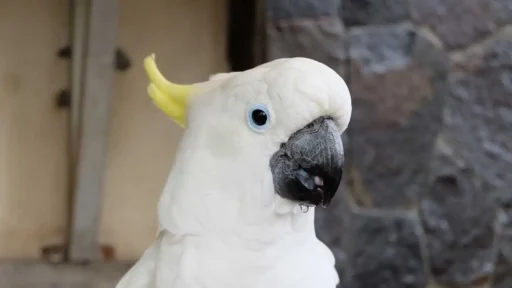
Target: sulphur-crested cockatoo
x: 259, y: 146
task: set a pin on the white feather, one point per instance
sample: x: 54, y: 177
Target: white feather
x: 222, y: 224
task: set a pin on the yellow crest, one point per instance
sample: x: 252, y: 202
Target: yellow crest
x: 171, y: 98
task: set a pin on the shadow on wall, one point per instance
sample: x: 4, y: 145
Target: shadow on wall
x: 429, y: 193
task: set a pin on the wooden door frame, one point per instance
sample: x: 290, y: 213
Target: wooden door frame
x: 246, y: 34
x: 94, y: 38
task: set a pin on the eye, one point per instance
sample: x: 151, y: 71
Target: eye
x: 258, y: 117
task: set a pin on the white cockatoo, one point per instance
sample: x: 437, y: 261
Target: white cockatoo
x: 260, y: 148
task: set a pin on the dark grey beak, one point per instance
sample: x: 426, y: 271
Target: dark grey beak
x: 308, y: 168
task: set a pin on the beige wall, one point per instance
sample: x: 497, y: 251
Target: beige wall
x: 33, y: 132
x: 188, y: 38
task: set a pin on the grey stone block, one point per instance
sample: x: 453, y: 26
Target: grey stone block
x: 478, y: 115
x: 503, y: 275
x: 397, y: 82
x: 459, y: 219
x: 297, y: 9
x: 322, y: 40
x: 457, y: 23
x: 476, y: 120
x: 505, y: 201
x: 365, y: 12
x: 471, y: 164
x: 380, y: 49
x: 384, y: 251
x: 495, y: 52
x: 501, y: 10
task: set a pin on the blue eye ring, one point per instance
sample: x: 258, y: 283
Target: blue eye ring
x: 258, y: 117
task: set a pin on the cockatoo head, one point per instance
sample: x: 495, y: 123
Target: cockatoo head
x: 272, y: 131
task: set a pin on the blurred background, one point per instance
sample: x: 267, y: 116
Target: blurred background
x: 427, y: 198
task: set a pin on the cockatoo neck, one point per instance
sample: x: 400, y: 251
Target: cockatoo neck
x: 208, y: 195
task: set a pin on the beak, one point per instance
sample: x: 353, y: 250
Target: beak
x: 171, y: 98
x: 308, y: 168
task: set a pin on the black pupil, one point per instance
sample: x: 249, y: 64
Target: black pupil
x: 259, y: 117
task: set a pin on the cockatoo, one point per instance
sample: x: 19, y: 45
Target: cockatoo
x: 261, y: 149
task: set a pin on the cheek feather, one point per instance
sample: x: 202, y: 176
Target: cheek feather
x: 218, y: 142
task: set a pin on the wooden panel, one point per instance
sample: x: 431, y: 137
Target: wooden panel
x: 36, y: 274
x: 98, y: 79
x: 33, y: 139
x: 80, y: 11
x: 188, y: 38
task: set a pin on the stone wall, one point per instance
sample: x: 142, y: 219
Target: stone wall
x: 428, y: 197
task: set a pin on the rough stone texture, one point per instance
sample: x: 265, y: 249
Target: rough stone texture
x: 503, y: 275
x: 473, y: 160
x: 494, y: 53
x: 460, y: 224
x: 478, y: 114
x: 294, y: 39
x: 300, y: 9
x: 501, y: 11
x: 384, y: 250
x: 478, y: 122
x: 505, y: 202
x: 397, y: 81
x: 423, y: 75
x: 475, y: 117
x: 293, y: 29
x: 364, y: 12
x: 457, y: 23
